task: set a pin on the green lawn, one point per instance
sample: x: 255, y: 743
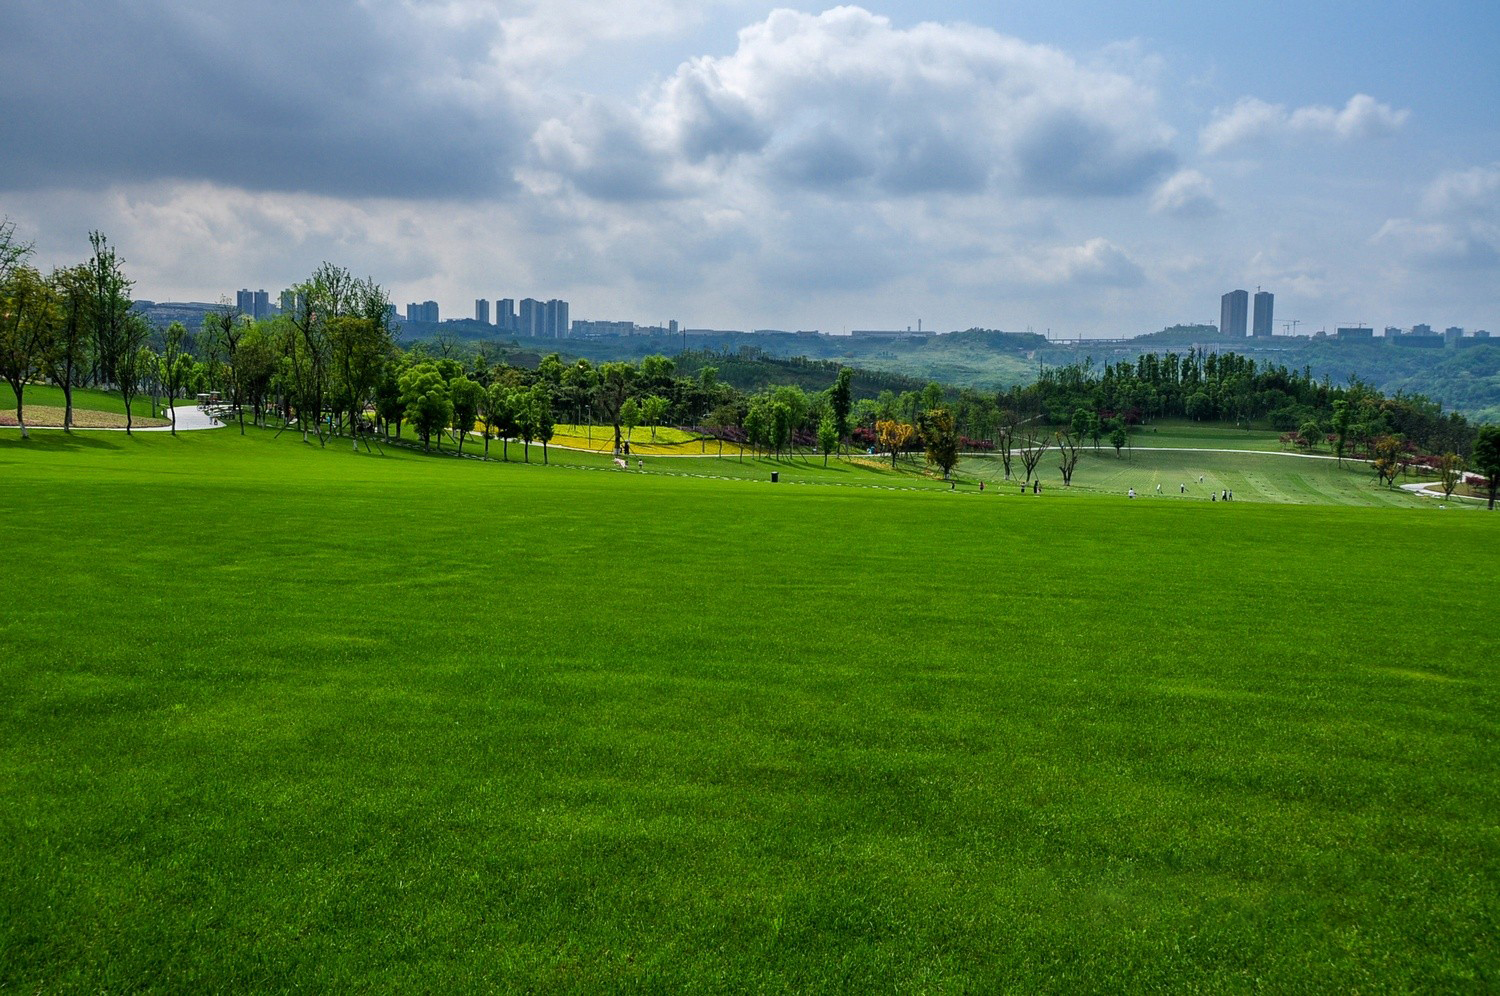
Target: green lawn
x: 1214, y: 435
x: 83, y: 397
x: 278, y: 717
x: 1251, y: 476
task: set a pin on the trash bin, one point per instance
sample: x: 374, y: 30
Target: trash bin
x: 775, y: 476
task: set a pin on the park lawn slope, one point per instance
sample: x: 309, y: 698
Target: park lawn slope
x: 273, y: 716
x: 92, y: 409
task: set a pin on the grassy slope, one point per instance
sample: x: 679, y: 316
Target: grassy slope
x: 83, y: 397
x: 275, y: 716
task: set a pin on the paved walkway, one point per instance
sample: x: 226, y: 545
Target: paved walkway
x: 1434, y: 489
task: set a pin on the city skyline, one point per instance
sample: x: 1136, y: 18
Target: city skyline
x: 1098, y: 170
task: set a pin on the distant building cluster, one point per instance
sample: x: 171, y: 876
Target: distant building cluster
x: 427, y: 311
x: 1422, y: 336
x: 532, y: 319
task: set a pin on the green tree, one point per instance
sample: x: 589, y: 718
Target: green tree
x: 108, y: 313
x: 1310, y: 433
x: 828, y: 435
x: 543, y: 425
x: 466, y: 396
x: 29, y: 316
x: 1342, y: 418
x: 842, y: 401
x: 171, y: 369
x: 1486, y: 457
x: 223, y: 330
x: 1118, y: 435
x: 134, y: 362
x: 940, y: 438
x: 69, y: 360
x: 653, y: 410
x: 1390, y: 458
x: 630, y: 416
x: 424, y: 397
x: 1451, y: 467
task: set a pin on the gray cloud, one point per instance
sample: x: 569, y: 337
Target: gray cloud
x: 267, y: 95
x: 843, y: 101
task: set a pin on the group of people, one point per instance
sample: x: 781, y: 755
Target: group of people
x: 1225, y: 495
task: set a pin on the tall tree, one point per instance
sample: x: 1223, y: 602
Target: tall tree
x: 170, y: 368
x: 466, y: 396
x: 615, y: 381
x: 134, y: 361
x: 1486, y: 458
x: 223, y: 330
x: 359, y: 346
x: 1342, y: 418
x: 654, y: 411
x: 543, y: 425
x: 424, y: 395
x: 70, y: 354
x: 828, y: 435
x: 29, y: 316
x: 630, y: 416
x: 842, y: 400
x: 940, y: 436
x: 108, y: 311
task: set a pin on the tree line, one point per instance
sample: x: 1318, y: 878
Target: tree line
x: 330, y: 366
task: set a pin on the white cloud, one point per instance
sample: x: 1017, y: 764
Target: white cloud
x: 845, y: 102
x: 1457, y: 221
x: 1252, y: 121
x: 1186, y: 194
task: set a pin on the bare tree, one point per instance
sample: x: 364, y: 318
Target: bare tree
x: 1067, y: 448
x: 1031, y: 448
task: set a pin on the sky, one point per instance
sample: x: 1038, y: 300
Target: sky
x: 1079, y: 168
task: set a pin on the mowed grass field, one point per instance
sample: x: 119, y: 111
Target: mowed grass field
x: 277, y: 717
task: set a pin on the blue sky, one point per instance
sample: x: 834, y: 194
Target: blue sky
x: 1089, y: 168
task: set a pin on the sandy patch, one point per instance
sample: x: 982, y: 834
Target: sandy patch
x: 45, y: 416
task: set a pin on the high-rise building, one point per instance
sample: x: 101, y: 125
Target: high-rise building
x: 244, y: 301
x: 482, y: 311
x: 427, y: 311
x: 1234, y: 313
x: 1264, y: 300
x: 291, y: 302
x: 531, y: 318
x: 555, y: 319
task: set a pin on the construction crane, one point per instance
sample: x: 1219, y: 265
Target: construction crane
x: 1289, y: 327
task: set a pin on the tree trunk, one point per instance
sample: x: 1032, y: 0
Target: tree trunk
x: 18, y: 387
x: 68, y: 405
